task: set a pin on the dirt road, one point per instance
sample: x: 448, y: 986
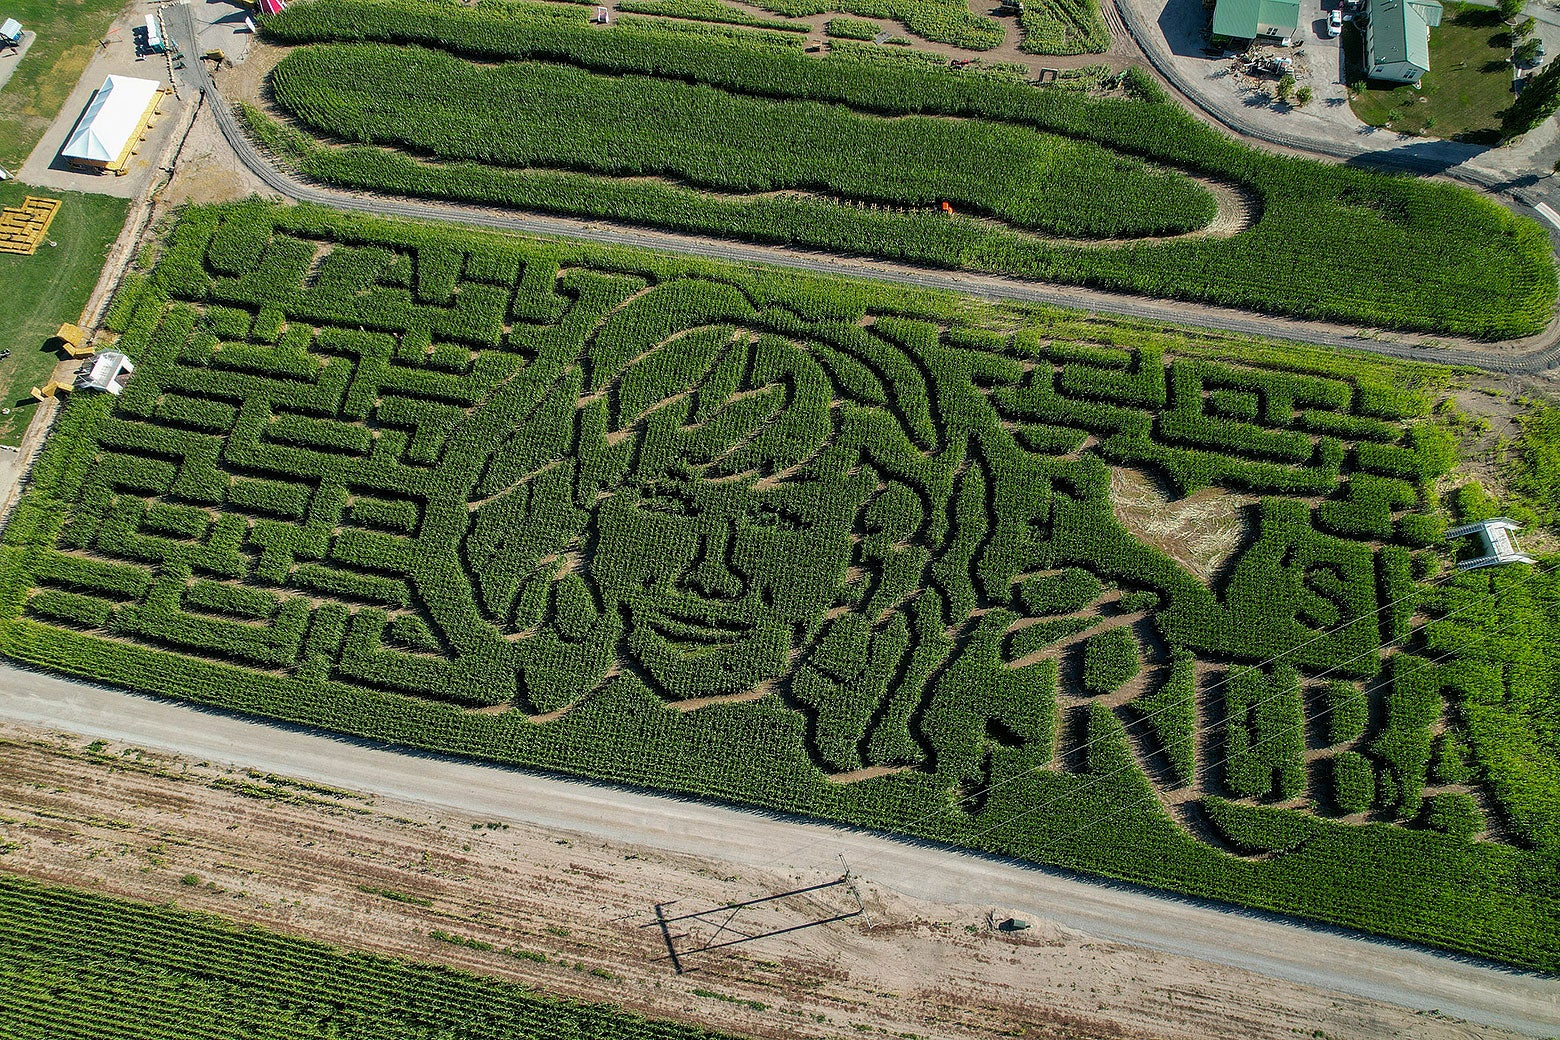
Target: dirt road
x: 547, y: 908
x: 741, y: 841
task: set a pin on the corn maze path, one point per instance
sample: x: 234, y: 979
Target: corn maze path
x: 546, y: 493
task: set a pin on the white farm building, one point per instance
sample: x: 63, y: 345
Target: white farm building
x: 113, y: 123
x: 1397, y: 39
x: 108, y: 371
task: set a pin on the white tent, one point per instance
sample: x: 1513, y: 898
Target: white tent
x: 113, y: 122
x: 11, y: 30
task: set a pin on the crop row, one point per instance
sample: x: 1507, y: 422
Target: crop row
x: 1064, y: 27
x: 709, y: 11
x: 79, y: 965
x: 1480, y: 270
x: 667, y: 481
x: 550, y: 117
x: 942, y: 21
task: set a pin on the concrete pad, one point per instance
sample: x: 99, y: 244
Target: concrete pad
x: 9, y: 59
x: 46, y: 169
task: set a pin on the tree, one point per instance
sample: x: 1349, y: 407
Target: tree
x: 1539, y: 100
x: 1303, y: 96
x: 1526, y: 52
x: 1523, y: 29
x: 1286, y: 86
x: 1509, y: 9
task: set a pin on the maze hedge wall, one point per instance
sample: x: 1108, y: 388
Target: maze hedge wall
x: 721, y: 135
x: 821, y: 546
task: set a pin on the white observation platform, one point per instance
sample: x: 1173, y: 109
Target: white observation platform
x: 1495, y: 539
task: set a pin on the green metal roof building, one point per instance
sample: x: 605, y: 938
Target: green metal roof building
x: 1397, y: 39
x: 1249, y: 19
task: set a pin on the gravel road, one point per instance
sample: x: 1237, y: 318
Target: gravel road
x: 1328, y: 959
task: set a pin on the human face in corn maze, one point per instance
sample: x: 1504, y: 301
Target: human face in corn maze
x: 696, y: 534
x: 737, y: 576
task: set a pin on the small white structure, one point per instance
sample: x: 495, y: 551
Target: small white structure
x: 109, y: 370
x: 1495, y: 538
x: 154, y: 40
x: 11, y: 32
x: 120, y: 112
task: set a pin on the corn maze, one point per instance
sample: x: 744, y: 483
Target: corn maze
x: 1064, y: 27
x: 822, y: 546
x: 945, y: 21
x: 743, y: 135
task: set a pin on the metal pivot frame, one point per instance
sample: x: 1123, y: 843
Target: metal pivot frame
x: 725, y: 921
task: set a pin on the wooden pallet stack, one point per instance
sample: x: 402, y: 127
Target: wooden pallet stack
x: 23, y: 227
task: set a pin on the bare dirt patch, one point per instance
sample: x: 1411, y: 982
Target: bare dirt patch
x: 208, y: 169
x: 1200, y: 532
x: 1485, y: 412
x: 568, y: 914
x: 1492, y: 410
x: 246, y: 80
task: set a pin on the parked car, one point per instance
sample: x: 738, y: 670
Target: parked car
x: 1335, y: 22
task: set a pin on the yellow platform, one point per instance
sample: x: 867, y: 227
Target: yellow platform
x: 121, y: 165
x: 73, y: 341
x: 52, y: 388
x: 22, y: 228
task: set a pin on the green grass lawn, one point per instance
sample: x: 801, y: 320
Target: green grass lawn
x: 1465, y: 91
x: 68, y: 32
x: 43, y: 290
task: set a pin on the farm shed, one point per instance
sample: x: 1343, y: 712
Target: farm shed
x: 1397, y: 39
x: 1250, y: 19
x: 119, y: 113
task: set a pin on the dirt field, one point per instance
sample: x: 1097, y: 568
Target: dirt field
x: 208, y: 171
x: 577, y: 916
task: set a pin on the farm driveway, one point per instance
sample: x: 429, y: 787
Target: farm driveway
x: 1282, y: 949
